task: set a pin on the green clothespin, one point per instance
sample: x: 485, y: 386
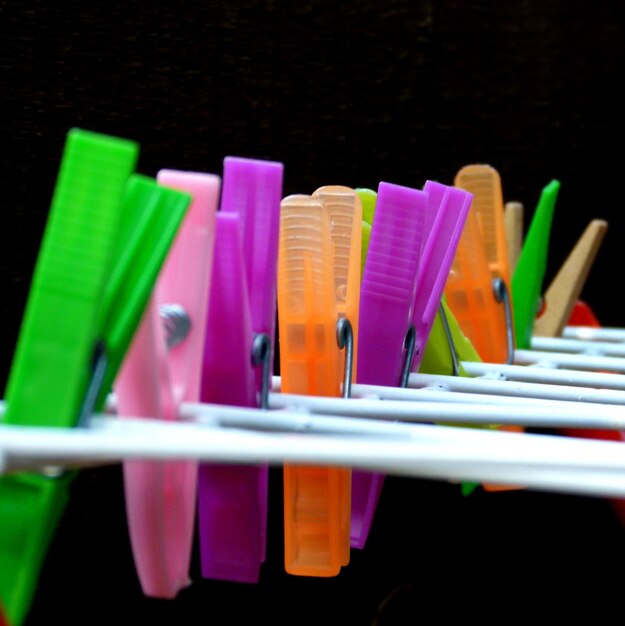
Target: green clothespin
x: 367, y: 199
x: 437, y: 358
x: 153, y: 215
x: 527, y: 280
x: 68, y: 315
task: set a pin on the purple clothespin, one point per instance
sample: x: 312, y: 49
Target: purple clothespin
x: 447, y: 212
x: 386, y: 306
x: 241, y: 321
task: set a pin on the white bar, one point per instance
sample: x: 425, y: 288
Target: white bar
x: 570, y: 361
x: 552, y: 415
x: 517, y: 389
x: 592, y: 333
x: 537, y: 461
x: 440, y: 393
x: 522, y: 373
x: 578, y: 346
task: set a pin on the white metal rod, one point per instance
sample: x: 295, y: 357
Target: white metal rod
x: 592, y: 333
x: 547, y: 415
x: 578, y: 346
x: 570, y: 361
x: 536, y: 461
x: 489, y: 386
x: 440, y: 393
x: 553, y: 376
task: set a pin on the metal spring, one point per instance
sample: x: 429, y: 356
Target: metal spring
x: 177, y: 324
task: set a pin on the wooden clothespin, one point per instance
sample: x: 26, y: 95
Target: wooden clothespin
x: 513, y: 224
x: 565, y: 289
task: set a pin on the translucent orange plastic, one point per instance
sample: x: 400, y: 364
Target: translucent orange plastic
x: 345, y: 211
x: 317, y: 500
x: 470, y: 296
x: 484, y: 182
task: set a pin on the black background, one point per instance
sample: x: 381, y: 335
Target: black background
x: 342, y: 93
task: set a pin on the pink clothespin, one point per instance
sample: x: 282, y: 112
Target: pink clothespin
x: 241, y: 320
x: 162, y: 370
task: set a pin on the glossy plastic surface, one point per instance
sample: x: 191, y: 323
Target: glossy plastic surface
x: 315, y: 498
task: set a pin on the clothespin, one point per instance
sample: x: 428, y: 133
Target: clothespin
x: 530, y: 270
x: 161, y: 371
x: 367, y: 200
x: 52, y: 366
x: 470, y: 296
x: 448, y: 346
x: 438, y: 357
x: 240, y: 334
x: 513, y: 224
x: 152, y: 218
x: 581, y: 315
x: 485, y: 183
x: 316, y: 498
x: 344, y: 207
x: 386, y: 334
x: 565, y: 289
x: 562, y: 296
x: 446, y: 342
x: 558, y: 353
x: 445, y: 217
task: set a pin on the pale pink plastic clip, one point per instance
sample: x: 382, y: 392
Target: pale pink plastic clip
x: 155, y: 378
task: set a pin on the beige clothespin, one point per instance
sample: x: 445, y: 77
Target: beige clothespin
x: 513, y: 225
x: 566, y: 287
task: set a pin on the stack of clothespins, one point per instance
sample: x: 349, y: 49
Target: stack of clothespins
x: 404, y: 316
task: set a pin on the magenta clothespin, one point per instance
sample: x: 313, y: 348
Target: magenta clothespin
x: 233, y: 498
x: 445, y: 217
x: 162, y: 370
x: 386, y: 306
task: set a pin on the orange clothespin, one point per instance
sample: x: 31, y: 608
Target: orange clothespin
x: 317, y: 500
x: 470, y: 295
x: 485, y: 239
x: 345, y: 209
